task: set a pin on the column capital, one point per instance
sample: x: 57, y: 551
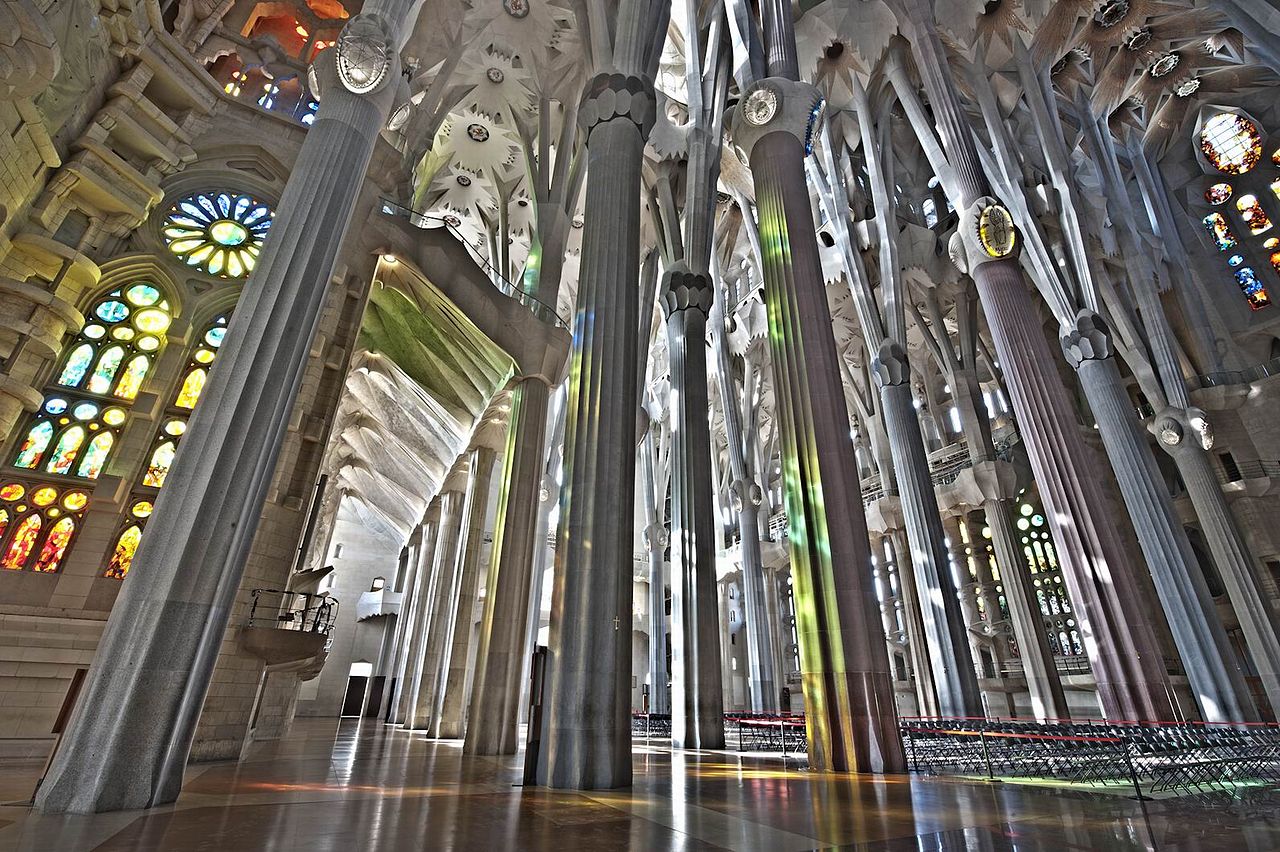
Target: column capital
x: 1088, y: 339
x: 1173, y: 425
x: 610, y: 96
x: 777, y: 104
x: 656, y: 538
x: 986, y: 233
x: 743, y: 493
x: 891, y: 366
x: 683, y: 289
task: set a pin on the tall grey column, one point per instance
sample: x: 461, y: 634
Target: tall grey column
x: 423, y: 708
x: 944, y: 624
x: 1212, y: 671
x: 1127, y: 664
x: 404, y: 623
x: 850, y: 715
x: 586, y: 738
x: 157, y: 653
x: 697, y: 699
x: 493, y: 718
x: 913, y: 622
x: 656, y: 540
x: 451, y: 721
x: 423, y: 594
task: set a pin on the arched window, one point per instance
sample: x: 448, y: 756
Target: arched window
x: 37, y: 524
x: 101, y: 374
x: 1231, y: 149
x: 220, y: 233
x: 1055, y: 607
x: 165, y: 445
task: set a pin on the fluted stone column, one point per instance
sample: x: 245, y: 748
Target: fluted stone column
x: 944, y: 623
x: 404, y: 623
x: 451, y: 722
x: 586, y: 742
x: 913, y: 621
x: 423, y: 593
x: 1122, y: 648
x: 157, y: 653
x: 852, y: 724
x: 424, y: 708
x: 495, y: 692
x: 1187, y: 440
x: 655, y: 543
x: 1212, y: 671
x: 697, y: 701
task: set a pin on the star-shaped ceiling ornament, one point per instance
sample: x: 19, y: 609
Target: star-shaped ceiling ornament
x: 476, y: 141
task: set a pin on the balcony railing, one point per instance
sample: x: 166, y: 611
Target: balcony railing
x: 1237, y: 377
x: 299, y: 611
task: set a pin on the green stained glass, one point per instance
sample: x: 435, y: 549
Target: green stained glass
x: 64, y: 454
x: 95, y: 456
x: 77, y: 365
x: 214, y: 336
x: 104, y: 374
x: 32, y: 450
x: 142, y: 295
x: 112, y: 311
x: 131, y: 379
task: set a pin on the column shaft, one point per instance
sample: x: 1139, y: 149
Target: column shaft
x: 404, y: 625
x: 917, y: 644
x: 443, y: 601
x: 452, y: 722
x: 495, y: 692
x: 423, y: 595
x: 157, y: 653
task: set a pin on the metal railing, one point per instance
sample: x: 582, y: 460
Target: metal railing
x: 1242, y: 470
x: 536, y: 306
x: 1237, y: 377
x: 1149, y: 757
x: 281, y: 610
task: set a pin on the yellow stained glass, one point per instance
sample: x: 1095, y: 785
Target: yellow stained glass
x: 113, y: 416
x: 4, y: 522
x: 95, y: 457
x: 142, y: 509
x: 64, y: 454
x: 152, y: 320
x: 191, y: 388
x: 44, y: 496
x: 131, y: 381
x: 75, y: 501
x: 126, y: 547
x: 24, y: 541
x: 55, y: 546
x: 12, y: 492
x: 161, y: 461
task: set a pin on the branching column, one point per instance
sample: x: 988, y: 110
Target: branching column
x: 157, y: 654
x: 586, y: 741
x: 852, y: 724
x: 1127, y: 663
x: 697, y: 704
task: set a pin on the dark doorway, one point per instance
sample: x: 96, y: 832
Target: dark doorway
x: 374, y: 703
x: 354, y: 699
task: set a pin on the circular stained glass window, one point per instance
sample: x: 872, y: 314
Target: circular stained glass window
x: 12, y: 492
x: 218, y: 232
x: 1217, y: 194
x: 75, y: 501
x: 1231, y: 143
x: 141, y: 509
x: 44, y: 496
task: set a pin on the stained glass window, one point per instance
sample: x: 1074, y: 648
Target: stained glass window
x: 1254, y: 291
x: 165, y: 445
x: 1253, y: 214
x: 1051, y: 595
x: 55, y: 545
x: 37, y: 525
x: 24, y: 541
x: 1231, y: 143
x: 110, y: 359
x: 220, y: 233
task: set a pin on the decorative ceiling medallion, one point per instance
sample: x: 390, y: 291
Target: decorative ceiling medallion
x: 1138, y: 39
x: 463, y: 180
x: 495, y: 75
x: 1111, y: 13
x: 1164, y: 65
x: 478, y: 132
x: 399, y: 117
x: 761, y: 106
x: 516, y: 8
x: 996, y: 232
x: 364, y: 56
x: 1187, y: 87
x: 452, y: 221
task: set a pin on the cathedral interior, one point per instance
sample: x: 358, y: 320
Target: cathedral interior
x: 639, y: 424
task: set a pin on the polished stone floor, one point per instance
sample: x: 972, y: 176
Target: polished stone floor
x: 341, y: 787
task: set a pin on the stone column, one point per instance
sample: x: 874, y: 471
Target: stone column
x: 586, y: 739
x: 442, y: 602
x: 967, y: 589
x: 1187, y: 439
x: 1212, y: 671
x: 655, y: 544
x: 917, y: 646
x: 404, y: 622
x: 451, y: 722
x: 852, y: 724
x: 422, y: 594
x: 157, y: 653
x: 697, y: 701
x: 943, y: 622
x: 1127, y: 663
x: 495, y: 692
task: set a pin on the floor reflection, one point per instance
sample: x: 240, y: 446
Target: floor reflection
x: 362, y: 786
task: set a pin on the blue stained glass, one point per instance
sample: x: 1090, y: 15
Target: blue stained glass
x: 77, y: 365
x: 112, y: 311
x: 224, y: 203
x: 1235, y: 260
x: 85, y: 411
x: 1248, y: 280
x: 56, y: 405
x: 242, y: 206
x: 215, y: 336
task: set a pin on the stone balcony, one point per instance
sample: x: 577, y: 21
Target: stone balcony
x: 378, y: 603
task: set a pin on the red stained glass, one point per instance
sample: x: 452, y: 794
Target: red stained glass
x: 55, y: 546
x: 24, y: 541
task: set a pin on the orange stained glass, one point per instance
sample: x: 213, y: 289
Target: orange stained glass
x: 191, y: 387
x: 55, y: 546
x: 24, y: 541
x: 126, y: 547
x: 131, y: 380
x: 13, y: 491
x: 161, y: 460
x: 4, y: 522
x: 64, y: 454
x: 44, y: 496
